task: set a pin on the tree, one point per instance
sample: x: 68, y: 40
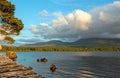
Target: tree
x: 9, y: 24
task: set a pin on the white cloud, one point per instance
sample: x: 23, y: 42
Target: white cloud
x: 102, y: 16
x: 44, y: 13
x: 70, y: 17
x: 66, y: 26
x: 81, y: 24
x: 78, y: 19
x: 45, y: 25
x: 34, y: 29
x: 58, y: 14
x: 60, y: 21
x: 82, y: 19
x: 117, y: 3
x: 105, y: 19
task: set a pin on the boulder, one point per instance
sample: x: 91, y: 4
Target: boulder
x: 44, y: 60
x: 0, y: 47
x: 12, y: 55
x: 53, y: 68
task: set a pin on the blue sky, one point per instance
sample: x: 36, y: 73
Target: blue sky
x: 66, y: 20
x: 28, y: 10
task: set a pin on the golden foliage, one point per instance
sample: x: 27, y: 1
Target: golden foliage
x: 10, y: 24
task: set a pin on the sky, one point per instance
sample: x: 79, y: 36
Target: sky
x: 67, y: 20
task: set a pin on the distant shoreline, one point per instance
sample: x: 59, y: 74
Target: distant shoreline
x: 60, y: 49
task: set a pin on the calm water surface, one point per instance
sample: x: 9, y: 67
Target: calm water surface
x: 74, y: 64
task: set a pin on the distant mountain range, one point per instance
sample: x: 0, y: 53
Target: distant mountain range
x: 89, y: 42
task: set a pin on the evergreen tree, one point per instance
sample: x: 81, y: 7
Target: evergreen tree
x: 9, y: 24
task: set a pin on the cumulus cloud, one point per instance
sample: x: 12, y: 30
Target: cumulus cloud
x: 60, y: 21
x: 78, y: 19
x: 105, y: 20
x: 43, y: 13
x: 66, y: 26
x: 44, y: 25
x: 117, y: 3
x: 34, y: 29
x: 101, y: 21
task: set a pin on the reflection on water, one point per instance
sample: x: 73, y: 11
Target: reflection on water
x: 100, y: 67
x: 74, y: 65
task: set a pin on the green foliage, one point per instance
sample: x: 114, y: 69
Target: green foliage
x: 10, y: 24
x: 61, y: 49
x: 9, y: 39
x: 4, y: 4
x: 3, y: 32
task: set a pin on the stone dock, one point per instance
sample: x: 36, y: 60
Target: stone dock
x: 11, y: 69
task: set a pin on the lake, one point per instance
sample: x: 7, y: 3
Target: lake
x: 73, y: 64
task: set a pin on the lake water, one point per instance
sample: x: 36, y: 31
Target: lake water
x: 73, y: 64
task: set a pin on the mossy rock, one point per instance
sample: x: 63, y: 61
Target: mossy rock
x: 12, y: 55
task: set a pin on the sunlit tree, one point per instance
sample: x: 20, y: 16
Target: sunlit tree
x: 9, y: 24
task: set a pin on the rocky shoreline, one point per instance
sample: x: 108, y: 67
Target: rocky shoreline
x: 11, y: 69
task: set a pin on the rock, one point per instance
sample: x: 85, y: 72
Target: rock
x: 53, y: 68
x: 0, y: 47
x: 11, y: 69
x: 12, y: 55
x: 38, y: 60
x: 44, y: 60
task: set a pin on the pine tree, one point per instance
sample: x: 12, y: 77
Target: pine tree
x: 9, y: 24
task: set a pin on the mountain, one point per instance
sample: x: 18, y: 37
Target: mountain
x: 49, y: 43
x: 97, y: 42
x: 89, y: 42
